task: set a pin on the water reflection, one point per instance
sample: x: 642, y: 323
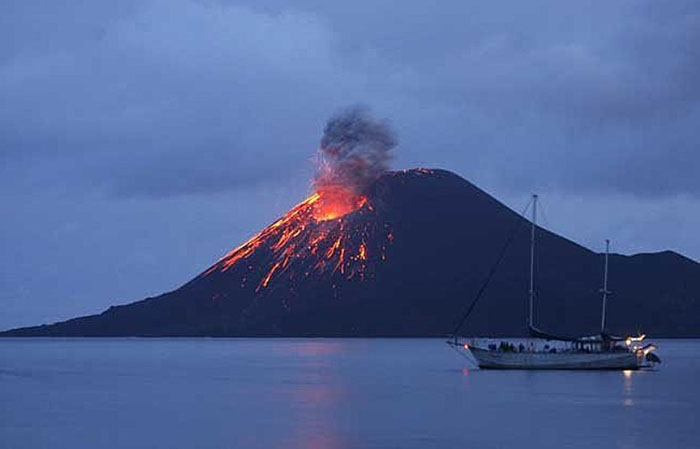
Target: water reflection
x: 627, y: 390
x: 317, y: 396
x: 309, y: 348
x: 319, y: 442
x: 318, y: 348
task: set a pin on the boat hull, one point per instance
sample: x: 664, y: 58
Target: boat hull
x: 488, y: 359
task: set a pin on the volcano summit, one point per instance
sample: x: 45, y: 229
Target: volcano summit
x: 403, y: 259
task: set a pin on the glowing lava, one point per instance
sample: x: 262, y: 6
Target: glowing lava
x: 327, y: 232
x: 336, y: 201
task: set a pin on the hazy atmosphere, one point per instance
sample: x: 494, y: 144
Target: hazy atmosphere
x: 140, y: 141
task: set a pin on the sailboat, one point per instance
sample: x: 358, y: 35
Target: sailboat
x: 601, y: 351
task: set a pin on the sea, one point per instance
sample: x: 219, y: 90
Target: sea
x: 330, y: 393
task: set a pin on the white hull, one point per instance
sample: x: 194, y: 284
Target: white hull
x: 489, y: 359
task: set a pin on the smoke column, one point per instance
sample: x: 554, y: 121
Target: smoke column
x: 355, y: 150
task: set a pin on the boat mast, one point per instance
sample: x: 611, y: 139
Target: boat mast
x: 532, y: 258
x: 604, y: 290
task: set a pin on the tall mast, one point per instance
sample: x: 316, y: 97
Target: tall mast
x: 604, y: 290
x: 532, y: 258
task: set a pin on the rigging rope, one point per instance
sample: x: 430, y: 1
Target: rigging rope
x: 492, y: 271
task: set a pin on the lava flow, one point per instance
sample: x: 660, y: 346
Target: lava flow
x: 328, y: 232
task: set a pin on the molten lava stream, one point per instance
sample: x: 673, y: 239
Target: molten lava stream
x: 314, y: 231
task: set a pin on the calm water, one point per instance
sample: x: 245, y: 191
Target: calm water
x: 329, y: 393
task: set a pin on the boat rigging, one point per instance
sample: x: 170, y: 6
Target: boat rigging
x: 547, y: 351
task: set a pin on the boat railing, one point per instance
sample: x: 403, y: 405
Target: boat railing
x: 548, y: 347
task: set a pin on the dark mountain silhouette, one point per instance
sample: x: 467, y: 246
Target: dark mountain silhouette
x: 406, y: 262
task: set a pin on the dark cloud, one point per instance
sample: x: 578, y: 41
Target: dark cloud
x: 605, y: 88
x: 355, y: 150
x: 151, y: 104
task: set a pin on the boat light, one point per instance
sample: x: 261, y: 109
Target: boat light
x: 466, y: 346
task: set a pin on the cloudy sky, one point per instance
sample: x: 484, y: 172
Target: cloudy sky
x: 141, y: 140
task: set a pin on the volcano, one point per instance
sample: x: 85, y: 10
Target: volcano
x: 404, y: 259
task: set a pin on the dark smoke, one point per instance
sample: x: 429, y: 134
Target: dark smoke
x: 355, y: 150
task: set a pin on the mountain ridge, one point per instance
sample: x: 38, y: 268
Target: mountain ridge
x: 408, y: 261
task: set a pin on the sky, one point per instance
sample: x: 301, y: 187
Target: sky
x: 142, y: 140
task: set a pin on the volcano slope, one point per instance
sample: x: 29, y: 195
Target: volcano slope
x: 406, y: 262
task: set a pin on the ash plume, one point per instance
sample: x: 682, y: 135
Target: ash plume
x: 355, y: 150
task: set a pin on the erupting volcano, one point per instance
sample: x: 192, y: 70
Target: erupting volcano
x: 333, y: 229
x: 373, y: 252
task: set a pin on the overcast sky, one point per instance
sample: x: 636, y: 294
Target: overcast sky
x: 140, y: 141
